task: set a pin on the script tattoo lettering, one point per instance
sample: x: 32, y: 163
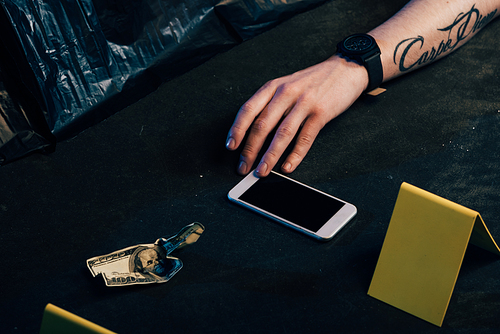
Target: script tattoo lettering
x: 464, y: 25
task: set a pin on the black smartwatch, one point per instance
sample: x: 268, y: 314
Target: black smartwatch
x: 363, y: 49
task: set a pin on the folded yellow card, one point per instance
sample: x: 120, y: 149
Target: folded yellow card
x: 423, y: 252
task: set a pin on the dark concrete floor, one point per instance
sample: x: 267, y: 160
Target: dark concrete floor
x: 161, y: 164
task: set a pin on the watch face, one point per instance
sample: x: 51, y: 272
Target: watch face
x: 358, y: 43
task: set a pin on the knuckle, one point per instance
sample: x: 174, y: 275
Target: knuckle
x: 308, y: 97
x: 288, y: 89
x: 272, y: 156
x: 271, y: 84
x: 260, y: 126
x: 247, y: 109
x: 237, y: 129
x: 320, y: 110
x: 305, y: 140
x: 248, y: 151
x: 285, y: 132
x: 295, y: 157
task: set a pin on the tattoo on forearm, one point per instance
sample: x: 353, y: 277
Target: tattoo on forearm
x: 464, y: 25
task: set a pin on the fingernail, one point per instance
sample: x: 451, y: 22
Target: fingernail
x: 242, y: 167
x: 262, y: 168
x: 230, y: 143
x: 287, y: 166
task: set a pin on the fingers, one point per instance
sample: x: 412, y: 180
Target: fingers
x: 248, y: 113
x: 260, y: 130
x: 284, y: 136
x: 306, y: 137
x: 261, y: 123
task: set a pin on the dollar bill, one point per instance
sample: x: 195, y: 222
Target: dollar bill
x: 145, y: 263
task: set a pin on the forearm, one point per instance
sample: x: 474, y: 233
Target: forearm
x: 426, y: 30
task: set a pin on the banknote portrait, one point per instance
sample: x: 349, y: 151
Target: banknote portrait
x: 151, y: 260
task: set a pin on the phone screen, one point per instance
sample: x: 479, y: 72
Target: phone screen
x: 292, y: 201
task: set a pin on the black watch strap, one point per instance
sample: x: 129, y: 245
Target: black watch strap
x: 375, y: 73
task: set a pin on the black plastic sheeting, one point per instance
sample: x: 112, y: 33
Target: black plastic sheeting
x: 66, y: 65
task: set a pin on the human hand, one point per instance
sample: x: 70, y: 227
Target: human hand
x: 303, y: 103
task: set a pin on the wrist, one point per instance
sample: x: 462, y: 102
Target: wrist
x: 363, y: 49
x: 356, y: 74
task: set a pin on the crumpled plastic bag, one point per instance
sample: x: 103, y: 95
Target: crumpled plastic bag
x: 83, y: 60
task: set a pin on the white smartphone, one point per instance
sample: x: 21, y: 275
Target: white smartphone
x: 294, y: 204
